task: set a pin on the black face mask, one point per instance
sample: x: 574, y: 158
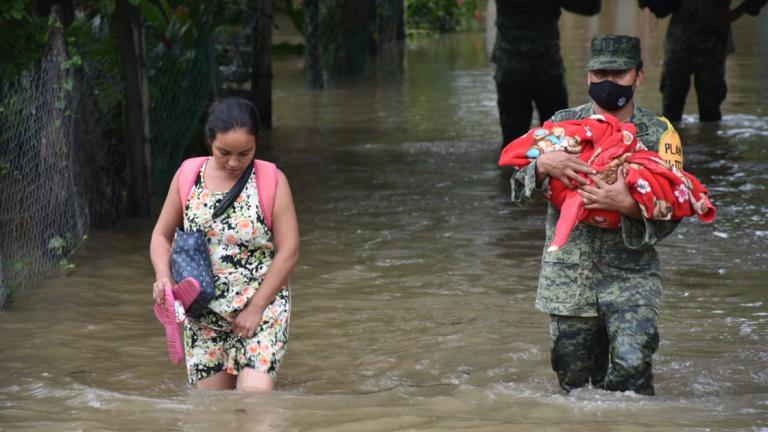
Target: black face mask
x: 609, y: 95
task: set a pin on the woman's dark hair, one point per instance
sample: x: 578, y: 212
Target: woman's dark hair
x: 231, y: 113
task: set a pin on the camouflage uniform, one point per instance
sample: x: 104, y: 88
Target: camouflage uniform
x: 529, y: 68
x: 696, y: 45
x: 602, y: 289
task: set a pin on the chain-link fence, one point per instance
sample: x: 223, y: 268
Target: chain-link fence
x: 180, y: 83
x: 61, y: 163
x: 98, y: 156
x: 60, y: 166
x: 43, y: 218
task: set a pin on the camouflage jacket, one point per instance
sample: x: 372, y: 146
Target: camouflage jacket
x: 598, y: 268
x: 527, y: 32
x: 694, y: 27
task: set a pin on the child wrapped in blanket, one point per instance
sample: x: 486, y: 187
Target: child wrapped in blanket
x: 662, y: 191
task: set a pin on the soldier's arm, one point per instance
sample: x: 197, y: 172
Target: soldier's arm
x: 646, y: 232
x: 525, y: 187
x: 660, y: 8
x: 582, y: 7
x: 753, y: 7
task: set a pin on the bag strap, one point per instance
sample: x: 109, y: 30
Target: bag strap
x: 233, y: 193
x: 187, y: 175
x: 266, y: 183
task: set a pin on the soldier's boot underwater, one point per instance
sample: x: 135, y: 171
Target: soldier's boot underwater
x: 709, y: 106
x: 711, y: 89
x: 634, y: 340
x: 710, y: 114
x: 631, y: 377
x: 579, y: 351
x: 673, y: 102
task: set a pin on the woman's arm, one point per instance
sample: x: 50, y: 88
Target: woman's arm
x: 285, y: 230
x: 162, y: 239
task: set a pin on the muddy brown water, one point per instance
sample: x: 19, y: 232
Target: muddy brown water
x: 413, y: 299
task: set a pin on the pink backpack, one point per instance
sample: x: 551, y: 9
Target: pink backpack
x: 266, y: 182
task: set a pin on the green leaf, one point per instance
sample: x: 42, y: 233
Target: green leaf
x: 107, y: 7
x: 57, y: 243
x: 66, y: 266
x: 154, y: 16
x: 166, y: 8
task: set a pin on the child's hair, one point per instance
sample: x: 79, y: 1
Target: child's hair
x: 231, y: 113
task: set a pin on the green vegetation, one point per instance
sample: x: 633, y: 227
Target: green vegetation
x: 24, y: 37
x: 443, y: 16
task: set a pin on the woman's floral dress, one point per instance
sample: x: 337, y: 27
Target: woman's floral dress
x: 241, y: 249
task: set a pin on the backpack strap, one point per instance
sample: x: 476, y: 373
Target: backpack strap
x: 266, y: 182
x: 187, y: 176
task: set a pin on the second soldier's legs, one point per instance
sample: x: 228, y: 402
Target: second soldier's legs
x: 675, y: 83
x: 709, y: 80
x: 518, y: 90
x: 551, y: 96
x: 515, y: 104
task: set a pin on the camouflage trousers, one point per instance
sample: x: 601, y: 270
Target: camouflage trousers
x: 708, y: 78
x: 517, y: 91
x: 612, y: 351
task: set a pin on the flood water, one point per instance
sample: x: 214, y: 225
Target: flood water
x: 413, y: 299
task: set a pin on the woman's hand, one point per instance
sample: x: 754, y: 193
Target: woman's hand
x: 247, y: 321
x: 158, y: 289
x: 562, y: 166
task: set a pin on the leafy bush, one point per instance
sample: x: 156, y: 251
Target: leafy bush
x: 439, y: 15
x: 23, y: 38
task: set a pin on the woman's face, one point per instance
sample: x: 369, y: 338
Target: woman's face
x: 234, y: 150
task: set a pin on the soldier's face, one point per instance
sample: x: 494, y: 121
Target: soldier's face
x: 629, y: 77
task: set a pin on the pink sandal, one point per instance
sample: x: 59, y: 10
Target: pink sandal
x: 187, y: 291
x: 166, y: 314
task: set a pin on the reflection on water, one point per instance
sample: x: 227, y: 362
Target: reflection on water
x: 414, y: 295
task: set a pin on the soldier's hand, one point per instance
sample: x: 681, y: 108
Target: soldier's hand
x: 564, y: 167
x: 723, y: 21
x: 614, y: 197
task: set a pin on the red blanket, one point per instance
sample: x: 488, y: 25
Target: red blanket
x: 662, y: 191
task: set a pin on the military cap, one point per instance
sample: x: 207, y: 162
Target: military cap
x: 614, y: 52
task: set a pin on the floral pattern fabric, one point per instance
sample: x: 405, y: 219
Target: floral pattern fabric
x: 241, y: 249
